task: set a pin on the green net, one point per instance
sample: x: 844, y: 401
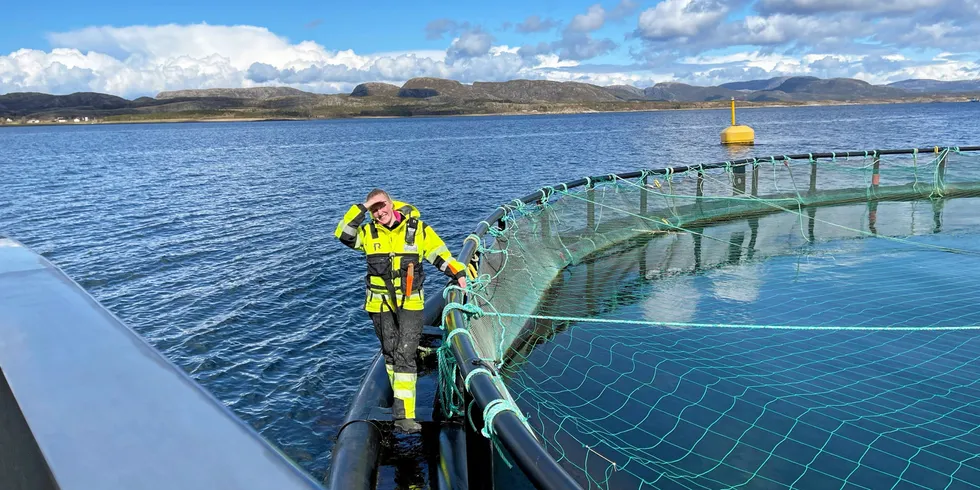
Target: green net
x: 793, y: 322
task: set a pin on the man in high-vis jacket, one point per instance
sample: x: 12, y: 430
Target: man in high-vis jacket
x: 395, y: 241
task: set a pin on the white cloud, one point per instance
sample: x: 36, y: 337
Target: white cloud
x: 780, y: 64
x: 553, y: 61
x: 590, y: 21
x: 949, y: 70
x: 637, y: 79
x: 874, y: 40
x: 936, y: 32
x: 240, y: 45
x: 871, y: 6
x: 766, y: 61
x: 875, y: 69
x: 679, y: 18
x: 683, y: 40
x: 581, y: 46
x: 534, y: 23
x: 439, y: 27
x: 576, y: 41
x: 65, y: 70
x: 625, y: 8
x: 778, y: 29
x: 432, y: 54
x: 142, y: 60
x: 469, y: 44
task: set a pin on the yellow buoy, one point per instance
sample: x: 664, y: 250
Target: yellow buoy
x: 737, y: 135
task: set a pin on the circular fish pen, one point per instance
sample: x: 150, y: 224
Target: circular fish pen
x: 801, y: 321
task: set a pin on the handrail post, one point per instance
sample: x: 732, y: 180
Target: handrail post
x: 590, y: 211
x: 738, y: 174
x: 813, y: 177
x: 876, y: 172
x: 698, y: 233
x: 811, y: 212
x: 937, y: 215
x: 643, y: 195
x: 545, y: 225
x: 873, y: 216
x: 941, y: 175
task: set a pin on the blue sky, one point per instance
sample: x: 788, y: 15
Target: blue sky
x: 131, y: 49
x: 389, y: 26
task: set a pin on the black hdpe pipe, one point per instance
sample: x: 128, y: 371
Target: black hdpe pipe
x: 453, y: 473
x: 354, y: 463
x: 540, y: 468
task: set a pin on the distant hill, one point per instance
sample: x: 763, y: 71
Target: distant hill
x: 425, y: 87
x: 925, y: 85
x: 436, y: 96
x: 24, y: 103
x: 626, y: 92
x: 752, y: 85
x: 235, y: 93
x: 520, y: 91
x: 375, y: 89
x: 528, y: 91
x: 682, y: 92
x: 813, y: 88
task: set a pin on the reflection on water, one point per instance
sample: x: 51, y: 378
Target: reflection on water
x: 704, y: 405
x: 401, y: 456
x: 739, y: 152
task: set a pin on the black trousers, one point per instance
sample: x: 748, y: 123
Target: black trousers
x: 399, y: 335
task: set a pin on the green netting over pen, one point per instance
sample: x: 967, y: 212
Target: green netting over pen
x: 789, y: 323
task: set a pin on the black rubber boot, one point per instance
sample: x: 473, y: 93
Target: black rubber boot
x: 408, y: 426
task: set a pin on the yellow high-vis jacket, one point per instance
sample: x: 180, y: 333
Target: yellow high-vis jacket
x: 394, y: 256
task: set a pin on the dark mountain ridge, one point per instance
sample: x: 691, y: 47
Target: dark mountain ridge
x: 234, y: 93
x: 441, y: 96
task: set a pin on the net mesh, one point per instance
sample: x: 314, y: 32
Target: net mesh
x: 807, y: 323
